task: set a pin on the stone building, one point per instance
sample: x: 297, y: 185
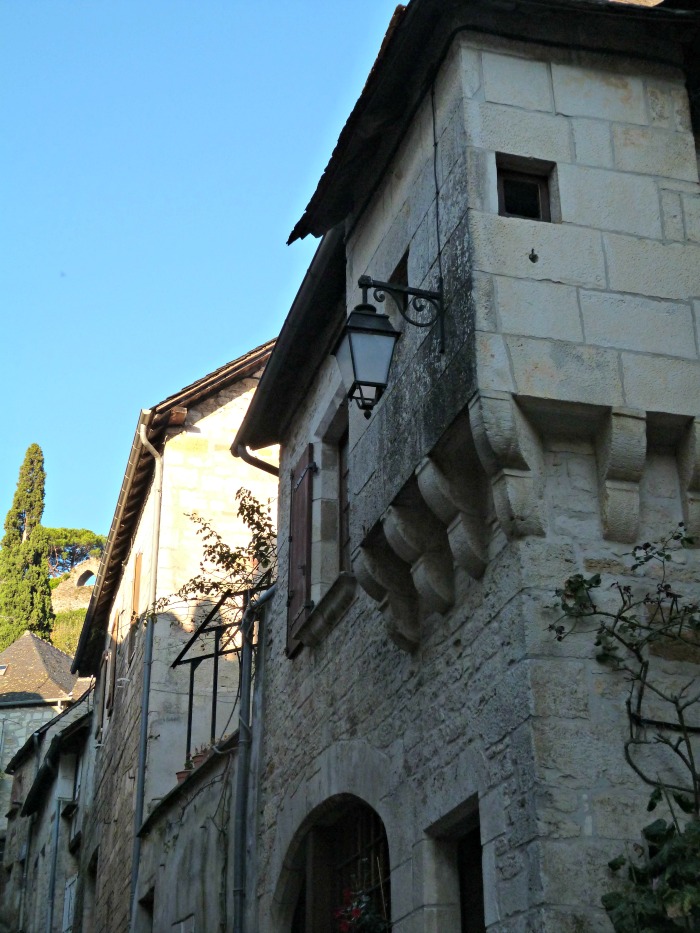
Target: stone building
x: 416, y: 734
x: 148, y: 715
x: 425, y: 738
x: 50, y: 796
x: 36, y: 683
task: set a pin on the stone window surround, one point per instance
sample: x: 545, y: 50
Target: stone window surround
x: 332, y: 590
x: 539, y: 171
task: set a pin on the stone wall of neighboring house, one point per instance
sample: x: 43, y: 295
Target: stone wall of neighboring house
x: 557, y: 428
x: 42, y: 850
x: 75, y: 591
x: 17, y: 723
x: 186, y: 876
x: 200, y: 475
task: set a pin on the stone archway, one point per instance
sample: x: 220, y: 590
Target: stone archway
x: 351, y: 774
x: 86, y: 578
x: 338, y: 866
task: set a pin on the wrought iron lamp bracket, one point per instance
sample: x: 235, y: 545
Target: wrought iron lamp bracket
x: 426, y: 305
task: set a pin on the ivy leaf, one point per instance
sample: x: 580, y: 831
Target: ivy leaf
x: 655, y: 799
x: 617, y: 863
x: 685, y: 803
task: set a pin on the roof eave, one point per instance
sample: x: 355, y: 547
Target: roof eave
x: 399, y: 79
x: 304, y: 342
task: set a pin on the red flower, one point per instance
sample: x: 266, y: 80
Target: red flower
x: 344, y: 926
x: 356, y: 913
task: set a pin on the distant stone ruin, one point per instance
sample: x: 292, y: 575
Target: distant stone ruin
x: 75, y: 592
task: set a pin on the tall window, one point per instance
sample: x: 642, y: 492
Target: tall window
x: 346, y: 864
x: 135, y: 599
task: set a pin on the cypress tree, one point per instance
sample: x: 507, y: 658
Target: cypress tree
x: 25, y: 593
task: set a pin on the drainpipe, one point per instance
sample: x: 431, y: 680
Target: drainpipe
x: 240, y: 450
x: 147, y: 664
x: 243, y: 765
x: 54, y: 864
x: 32, y: 819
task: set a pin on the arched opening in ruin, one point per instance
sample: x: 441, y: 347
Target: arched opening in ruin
x: 86, y: 578
x: 341, y: 866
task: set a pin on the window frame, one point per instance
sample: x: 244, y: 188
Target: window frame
x: 532, y: 171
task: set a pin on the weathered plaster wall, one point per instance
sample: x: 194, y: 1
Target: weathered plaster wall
x: 200, y: 475
x: 16, y: 725
x: 187, y: 853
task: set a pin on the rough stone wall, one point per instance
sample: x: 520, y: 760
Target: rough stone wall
x: 34, y: 841
x: 576, y: 442
x: 200, y: 475
x: 187, y: 853
x: 17, y: 724
x: 68, y: 594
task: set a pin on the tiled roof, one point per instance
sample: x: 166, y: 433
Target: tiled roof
x: 35, y: 671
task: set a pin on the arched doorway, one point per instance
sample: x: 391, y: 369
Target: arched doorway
x: 344, y: 871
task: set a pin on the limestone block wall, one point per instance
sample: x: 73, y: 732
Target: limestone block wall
x: 607, y: 313
x: 557, y: 429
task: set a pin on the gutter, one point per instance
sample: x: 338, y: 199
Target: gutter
x: 144, y: 421
x: 30, y: 838
x: 240, y: 450
x: 147, y: 665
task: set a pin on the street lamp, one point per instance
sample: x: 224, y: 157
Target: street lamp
x: 366, y: 346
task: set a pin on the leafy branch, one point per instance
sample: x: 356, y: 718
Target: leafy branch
x: 662, y: 891
x: 229, y: 573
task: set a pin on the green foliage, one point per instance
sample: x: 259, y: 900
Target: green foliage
x: 66, y: 630
x: 226, y: 573
x: 25, y: 595
x: 69, y: 547
x: 661, y: 890
x: 28, y: 502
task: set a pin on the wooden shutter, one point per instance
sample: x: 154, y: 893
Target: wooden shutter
x: 299, y: 579
x: 135, y: 597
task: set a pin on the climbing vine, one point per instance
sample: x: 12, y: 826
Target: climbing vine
x: 659, y: 889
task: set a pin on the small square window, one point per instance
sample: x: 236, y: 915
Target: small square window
x: 524, y: 188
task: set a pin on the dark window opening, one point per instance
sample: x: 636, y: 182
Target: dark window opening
x: 471, y: 882
x: 524, y: 188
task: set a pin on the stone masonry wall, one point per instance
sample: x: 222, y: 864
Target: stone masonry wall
x: 577, y: 441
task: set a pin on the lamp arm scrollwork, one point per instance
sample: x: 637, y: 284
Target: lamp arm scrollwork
x: 420, y: 300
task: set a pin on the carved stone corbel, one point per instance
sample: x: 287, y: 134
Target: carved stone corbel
x: 462, y: 519
x: 387, y: 581
x: 689, y: 472
x: 621, y: 451
x: 510, y: 452
x: 418, y: 538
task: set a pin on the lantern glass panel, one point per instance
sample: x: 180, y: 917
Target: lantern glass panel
x: 372, y: 355
x: 344, y: 358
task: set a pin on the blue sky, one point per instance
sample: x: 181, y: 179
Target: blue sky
x: 154, y: 156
